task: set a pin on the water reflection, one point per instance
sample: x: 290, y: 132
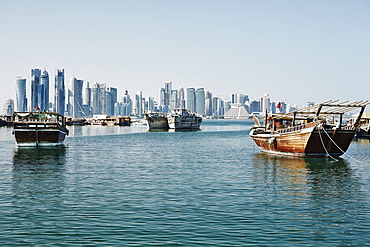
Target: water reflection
x: 38, y: 178
x: 319, y: 188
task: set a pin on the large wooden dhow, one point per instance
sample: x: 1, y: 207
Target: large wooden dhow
x: 319, y: 130
x: 39, y: 129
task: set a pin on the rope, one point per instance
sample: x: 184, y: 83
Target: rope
x: 322, y: 143
x: 341, y: 149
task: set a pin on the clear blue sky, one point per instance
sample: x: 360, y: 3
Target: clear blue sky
x: 296, y: 51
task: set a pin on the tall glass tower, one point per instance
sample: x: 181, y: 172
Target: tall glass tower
x: 75, y: 97
x: 43, y: 91
x: 35, y: 86
x: 59, y: 92
x: 190, y: 99
x: 20, y: 94
x: 200, y: 101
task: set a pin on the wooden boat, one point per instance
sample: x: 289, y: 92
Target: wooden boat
x: 39, y: 129
x: 317, y: 130
x: 184, y: 120
x: 156, y: 120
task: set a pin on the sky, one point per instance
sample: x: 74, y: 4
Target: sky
x: 296, y: 51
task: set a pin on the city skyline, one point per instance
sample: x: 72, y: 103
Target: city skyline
x: 78, y: 99
x: 295, y: 51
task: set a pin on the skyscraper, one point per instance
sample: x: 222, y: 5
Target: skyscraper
x: 35, y: 83
x: 126, y: 104
x: 200, y: 101
x: 266, y: 103
x: 8, y: 107
x: 99, y: 98
x: 174, y: 103
x: 43, y: 91
x: 59, y: 92
x: 138, y: 107
x: 208, y: 104
x: 181, y: 98
x: 112, y: 100
x: 167, y: 90
x: 75, y: 97
x: 20, y: 94
x: 190, y: 99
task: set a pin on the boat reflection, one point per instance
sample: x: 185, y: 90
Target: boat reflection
x: 304, y: 178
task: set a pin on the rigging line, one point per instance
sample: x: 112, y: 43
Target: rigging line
x: 322, y: 143
x: 342, y: 150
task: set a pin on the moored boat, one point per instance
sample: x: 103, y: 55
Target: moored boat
x: 39, y: 129
x: 156, y: 120
x: 184, y: 120
x: 317, y: 130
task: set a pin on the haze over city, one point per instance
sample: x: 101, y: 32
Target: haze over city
x: 296, y: 51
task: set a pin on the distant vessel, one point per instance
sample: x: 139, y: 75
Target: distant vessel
x: 110, y: 121
x: 156, y: 120
x: 364, y: 129
x: 39, y: 129
x: 312, y: 131
x: 182, y: 119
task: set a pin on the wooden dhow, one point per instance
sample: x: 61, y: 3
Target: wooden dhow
x: 156, y: 120
x: 39, y: 129
x: 182, y: 119
x: 319, y: 130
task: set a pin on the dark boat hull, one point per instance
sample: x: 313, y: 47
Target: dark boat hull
x: 32, y: 137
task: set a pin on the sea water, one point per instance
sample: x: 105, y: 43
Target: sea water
x: 126, y: 186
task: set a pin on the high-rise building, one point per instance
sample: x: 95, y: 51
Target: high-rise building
x: 266, y: 103
x: 59, y: 92
x: 8, y: 107
x: 151, y: 104
x: 181, y: 98
x: 111, y: 100
x: 200, y: 101
x: 99, y: 99
x: 126, y: 104
x: 43, y: 92
x: 208, y: 104
x: 75, y: 97
x: 174, y: 99
x: 190, y: 99
x: 167, y: 91
x: 20, y: 94
x: 35, y: 84
x: 138, y: 107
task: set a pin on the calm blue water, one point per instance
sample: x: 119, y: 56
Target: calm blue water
x: 120, y: 186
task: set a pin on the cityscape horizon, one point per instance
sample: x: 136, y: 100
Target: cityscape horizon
x: 75, y: 97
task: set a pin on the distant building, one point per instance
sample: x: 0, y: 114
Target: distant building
x: 200, y: 101
x: 181, y: 98
x: 266, y: 103
x: 8, y: 107
x: 43, y: 91
x: 75, y: 97
x: 35, y: 83
x: 138, y: 107
x: 59, y: 92
x: 20, y: 94
x: 190, y: 99
x: 111, y: 100
x: 126, y: 104
x: 174, y: 99
x: 237, y: 111
x: 208, y: 104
